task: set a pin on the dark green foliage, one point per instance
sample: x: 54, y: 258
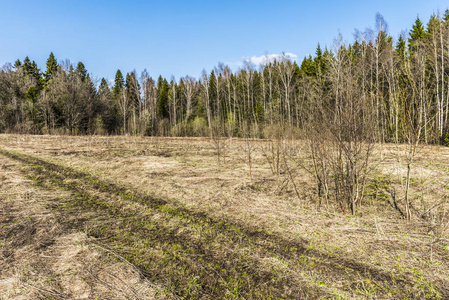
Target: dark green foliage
x: 32, y: 71
x: 320, y: 62
x: 119, y: 84
x: 31, y: 94
x: 27, y: 64
x: 52, y: 66
x: 81, y: 71
x: 108, y: 108
x: 417, y: 35
x: 133, y: 89
x: 433, y: 24
x: 212, y: 92
x: 103, y: 86
x: 308, y: 67
x: 162, y: 105
x: 33, y: 109
x: 17, y: 64
x: 400, y: 48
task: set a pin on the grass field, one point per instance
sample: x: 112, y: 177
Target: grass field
x: 168, y: 218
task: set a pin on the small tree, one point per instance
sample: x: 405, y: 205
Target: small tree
x: 341, y: 136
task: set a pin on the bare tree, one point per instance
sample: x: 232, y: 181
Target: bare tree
x: 123, y: 103
x: 286, y: 72
x: 205, y: 86
x: 342, y: 142
x: 189, y: 90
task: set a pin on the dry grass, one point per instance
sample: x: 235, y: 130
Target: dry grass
x: 413, y: 256
x: 40, y: 258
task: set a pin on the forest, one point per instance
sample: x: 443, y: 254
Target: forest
x: 392, y: 88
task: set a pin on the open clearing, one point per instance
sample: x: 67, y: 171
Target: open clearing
x: 154, y: 218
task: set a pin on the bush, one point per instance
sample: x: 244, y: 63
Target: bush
x: 199, y: 126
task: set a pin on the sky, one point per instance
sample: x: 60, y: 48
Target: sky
x: 182, y: 38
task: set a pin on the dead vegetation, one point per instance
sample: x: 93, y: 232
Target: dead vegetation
x: 44, y: 258
x: 174, y: 221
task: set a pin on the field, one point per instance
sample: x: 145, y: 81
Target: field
x: 174, y: 218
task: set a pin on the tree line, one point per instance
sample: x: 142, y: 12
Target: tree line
x: 389, y: 88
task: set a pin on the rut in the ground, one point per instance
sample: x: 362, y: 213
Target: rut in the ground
x: 197, y: 256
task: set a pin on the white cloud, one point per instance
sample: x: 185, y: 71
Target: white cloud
x: 258, y: 60
x: 263, y: 59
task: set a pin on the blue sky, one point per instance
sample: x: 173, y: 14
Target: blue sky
x: 184, y: 37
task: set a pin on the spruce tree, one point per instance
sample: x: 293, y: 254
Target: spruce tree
x: 400, y: 49
x: 446, y: 16
x: 17, y: 64
x: 81, y: 71
x: 212, y: 93
x: 162, y: 106
x: 52, y: 66
x: 32, y: 108
x: 26, y: 65
x: 103, y: 86
x: 133, y: 89
x: 320, y: 64
x: 308, y: 67
x: 119, y: 84
x: 110, y: 114
x: 432, y: 25
x: 417, y: 35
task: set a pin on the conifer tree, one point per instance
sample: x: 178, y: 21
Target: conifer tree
x: 132, y: 88
x: 81, y: 71
x: 33, y: 109
x: 52, y: 66
x: 319, y: 61
x: 446, y: 16
x: 27, y: 64
x: 17, y: 64
x: 110, y: 114
x: 162, y: 107
x: 308, y: 66
x: 212, y: 94
x: 400, y: 50
x: 417, y: 35
x: 119, y: 84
